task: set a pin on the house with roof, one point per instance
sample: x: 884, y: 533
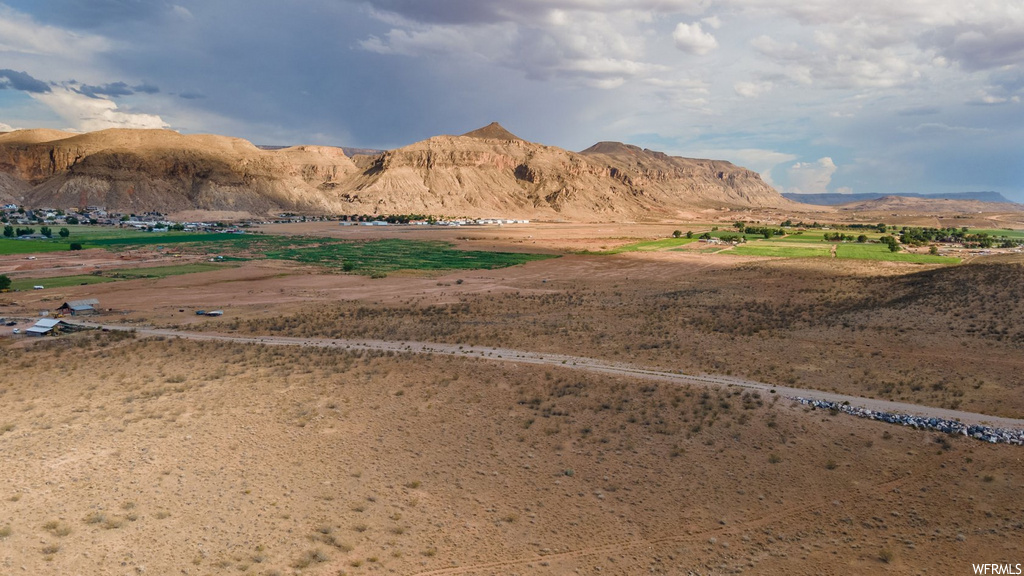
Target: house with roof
x: 79, y: 307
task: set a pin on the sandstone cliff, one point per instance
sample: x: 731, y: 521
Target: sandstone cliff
x: 492, y: 172
x: 142, y: 170
x: 486, y: 172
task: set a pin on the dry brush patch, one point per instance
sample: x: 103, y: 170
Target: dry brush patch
x: 271, y: 459
x: 945, y: 337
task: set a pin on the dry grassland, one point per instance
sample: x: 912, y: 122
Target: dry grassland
x: 158, y: 456
x: 951, y: 337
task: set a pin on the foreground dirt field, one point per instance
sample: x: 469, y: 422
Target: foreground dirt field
x: 148, y: 456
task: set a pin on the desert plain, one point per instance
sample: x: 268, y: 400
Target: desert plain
x: 132, y: 453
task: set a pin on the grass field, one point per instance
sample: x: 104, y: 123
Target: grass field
x: 94, y: 237
x: 147, y: 239
x: 811, y: 245
x: 58, y: 281
x: 1001, y: 233
x: 370, y: 257
x: 381, y: 256
x: 86, y: 234
x: 816, y: 236
x: 8, y: 246
x: 162, y: 271
x: 114, y: 275
x: 881, y: 252
x: 651, y: 245
x: 752, y: 249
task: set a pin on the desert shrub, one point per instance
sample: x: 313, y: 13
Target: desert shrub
x: 309, y: 558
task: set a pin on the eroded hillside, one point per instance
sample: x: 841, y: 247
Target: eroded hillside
x: 484, y: 173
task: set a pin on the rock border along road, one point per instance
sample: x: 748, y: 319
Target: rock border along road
x: 579, y: 363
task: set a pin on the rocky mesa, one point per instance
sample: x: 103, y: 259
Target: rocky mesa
x: 486, y: 172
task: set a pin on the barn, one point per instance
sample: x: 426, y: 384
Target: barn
x: 79, y: 307
x: 43, y: 327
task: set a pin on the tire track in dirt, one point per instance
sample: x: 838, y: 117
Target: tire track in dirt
x: 579, y: 363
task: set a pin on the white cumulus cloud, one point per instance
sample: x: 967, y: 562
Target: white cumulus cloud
x: 691, y: 39
x: 88, y: 114
x: 182, y: 12
x: 811, y: 177
x: 752, y: 89
x: 21, y: 35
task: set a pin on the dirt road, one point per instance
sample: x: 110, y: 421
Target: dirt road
x: 580, y: 363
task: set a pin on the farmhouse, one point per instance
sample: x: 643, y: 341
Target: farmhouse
x: 79, y: 307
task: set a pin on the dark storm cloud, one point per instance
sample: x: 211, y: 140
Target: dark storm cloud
x: 492, y: 11
x: 241, y: 64
x: 146, y: 89
x: 92, y: 13
x: 443, y: 11
x: 111, y: 89
x: 21, y: 81
x: 982, y: 46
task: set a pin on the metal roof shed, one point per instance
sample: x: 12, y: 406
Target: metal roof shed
x: 43, y: 327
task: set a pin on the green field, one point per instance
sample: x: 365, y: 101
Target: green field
x: 816, y: 236
x: 8, y: 246
x: 1015, y: 234
x: 811, y: 244
x: 87, y: 234
x: 650, y: 245
x: 58, y: 281
x: 161, y: 271
x: 151, y: 239
x: 881, y: 252
x: 363, y: 257
x: 114, y: 275
x: 752, y: 249
x: 96, y: 237
x: 382, y: 256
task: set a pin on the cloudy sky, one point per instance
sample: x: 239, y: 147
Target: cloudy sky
x: 817, y: 95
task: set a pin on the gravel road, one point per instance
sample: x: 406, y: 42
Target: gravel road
x: 580, y: 363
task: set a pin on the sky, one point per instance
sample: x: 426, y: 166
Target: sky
x: 874, y: 96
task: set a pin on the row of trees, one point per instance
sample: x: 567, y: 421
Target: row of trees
x: 922, y: 236
x: 765, y: 231
x: 880, y: 227
x: 840, y: 237
x: 12, y: 232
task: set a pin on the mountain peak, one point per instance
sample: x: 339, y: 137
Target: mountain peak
x: 613, y: 148
x: 492, y: 131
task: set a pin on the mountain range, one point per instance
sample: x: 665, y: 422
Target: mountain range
x: 484, y: 173
x: 837, y: 199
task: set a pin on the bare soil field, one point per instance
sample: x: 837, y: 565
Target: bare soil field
x: 137, y: 455
x: 49, y: 264
x: 169, y: 456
